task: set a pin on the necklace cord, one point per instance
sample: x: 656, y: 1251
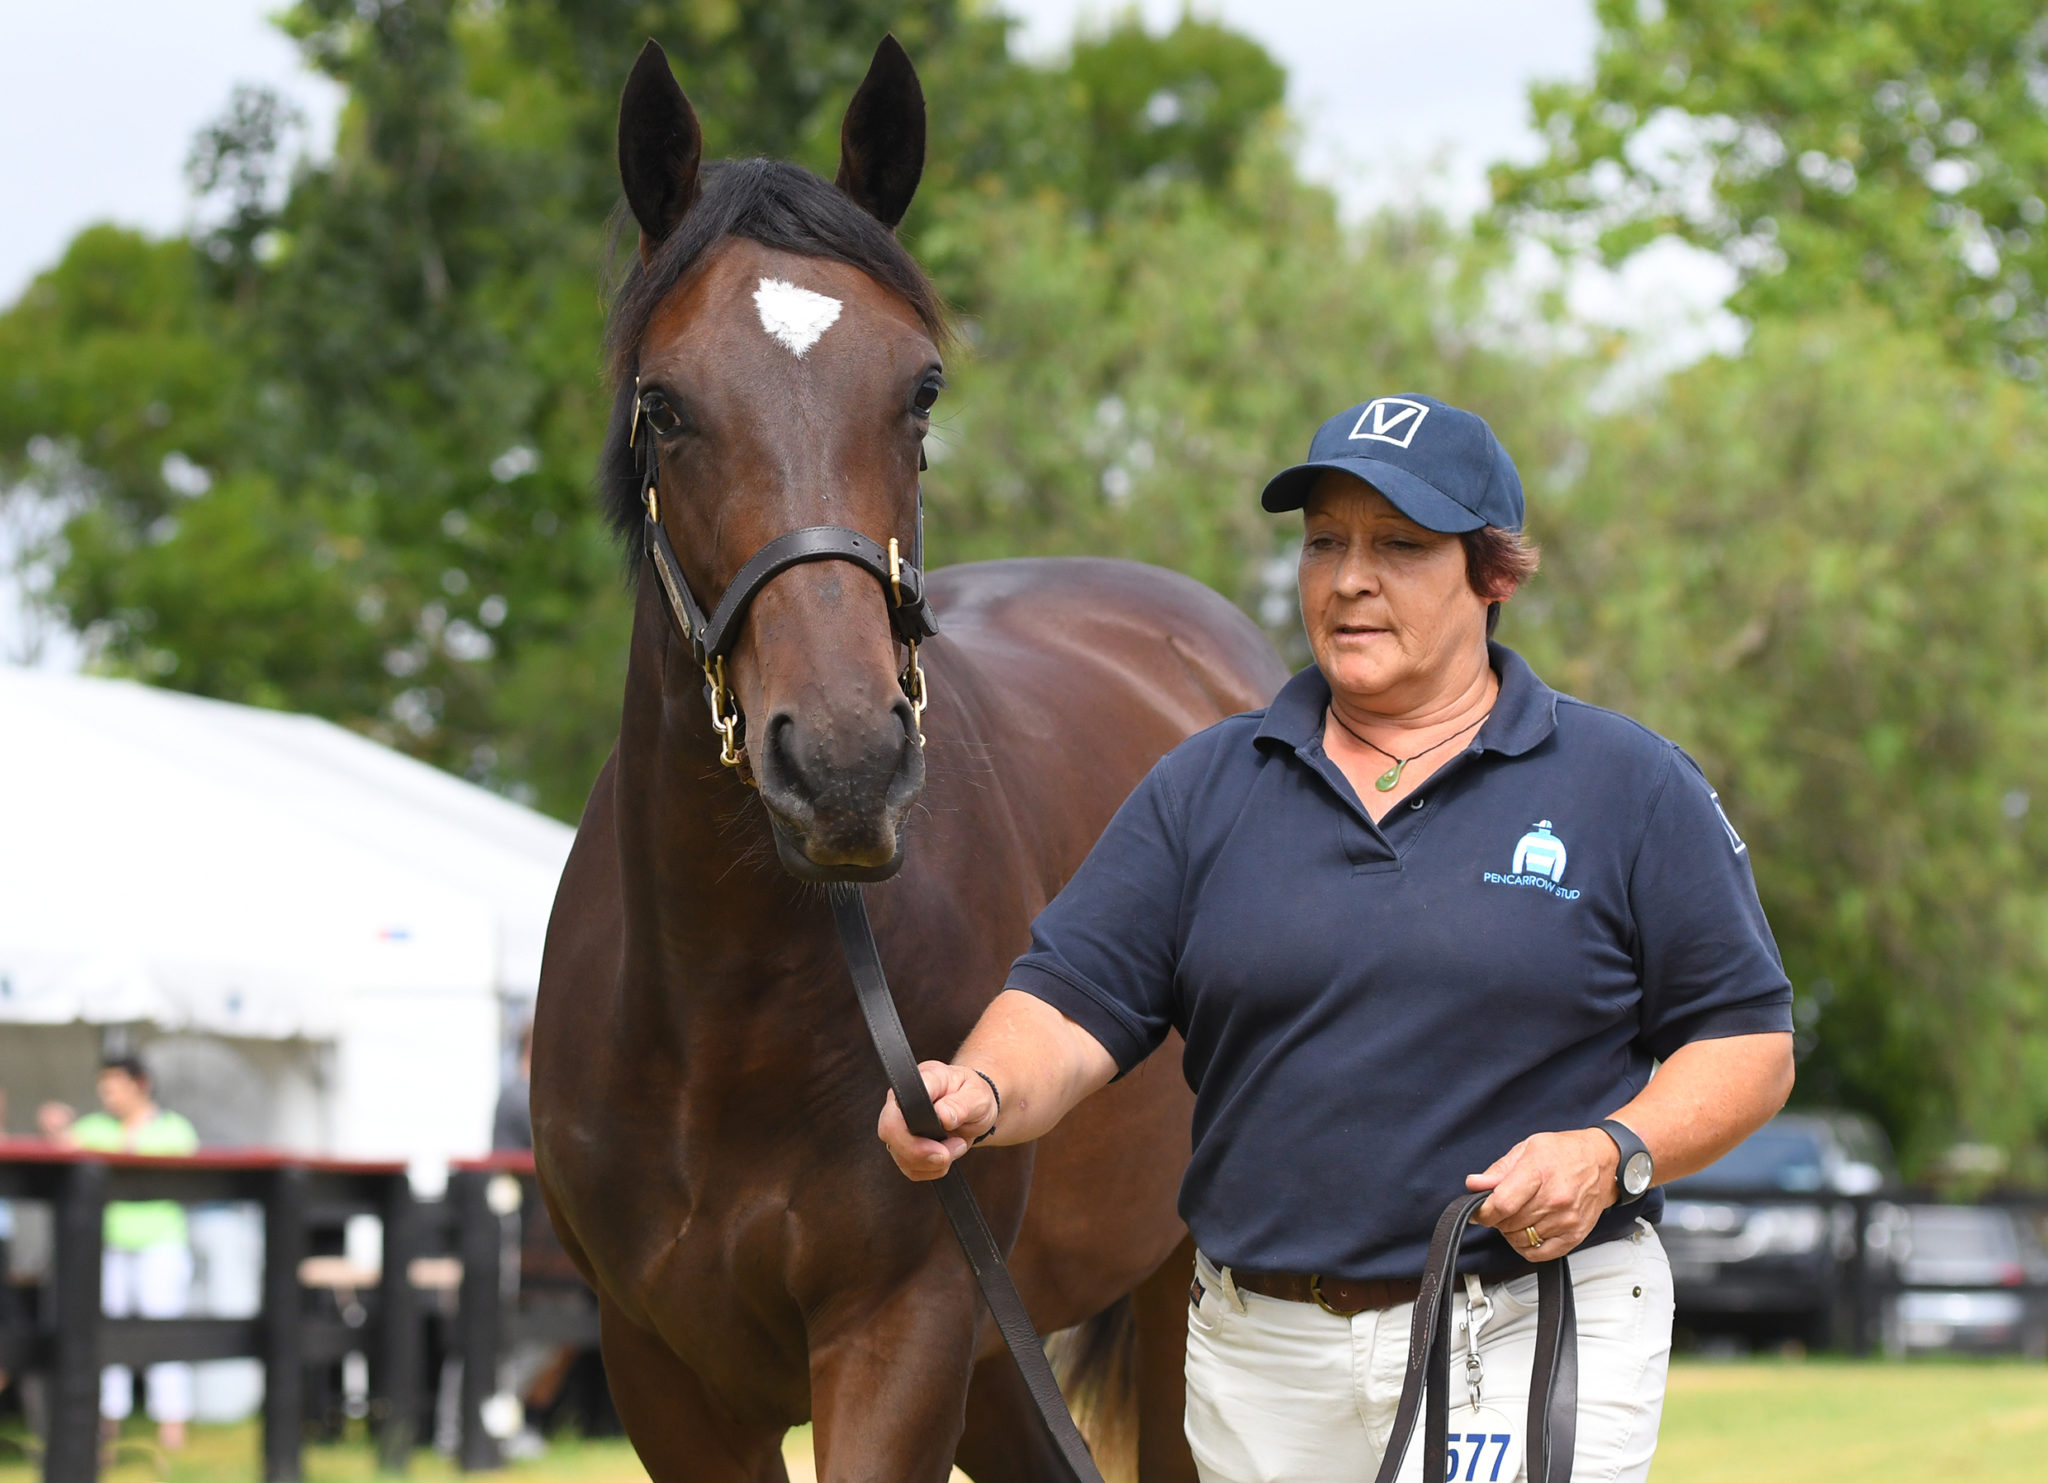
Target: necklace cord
x: 1387, y: 781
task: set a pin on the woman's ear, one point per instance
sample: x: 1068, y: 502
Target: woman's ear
x: 881, y: 140
x: 660, y: 148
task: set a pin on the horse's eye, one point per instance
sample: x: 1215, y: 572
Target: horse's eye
x: 928, y: 392
x: 662, y: 417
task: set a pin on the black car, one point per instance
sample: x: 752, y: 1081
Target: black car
x: 1748, y: 1261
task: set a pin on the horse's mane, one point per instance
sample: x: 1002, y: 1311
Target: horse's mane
x: 779, y: 205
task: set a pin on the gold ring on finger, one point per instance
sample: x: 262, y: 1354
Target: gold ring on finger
x: 1534, y: 1239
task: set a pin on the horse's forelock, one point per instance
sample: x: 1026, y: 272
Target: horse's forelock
x: 779, y: 205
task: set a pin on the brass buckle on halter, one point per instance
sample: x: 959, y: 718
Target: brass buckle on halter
x: 912, y: 678
x: 912, y: 681
x: 725, y: 718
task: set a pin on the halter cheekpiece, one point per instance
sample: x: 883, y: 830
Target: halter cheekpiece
x: 711, y: 638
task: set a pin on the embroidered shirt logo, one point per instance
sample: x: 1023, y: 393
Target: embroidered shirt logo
x: 1390, y: 419
x: 1734, y: 840
x: 1539, y: 853
x: 1539, y: 862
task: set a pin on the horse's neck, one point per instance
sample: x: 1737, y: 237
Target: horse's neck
x: 711, y: 919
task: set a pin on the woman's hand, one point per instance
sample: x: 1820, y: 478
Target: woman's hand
x: 1555, y: 1184
x: 966, y: 1108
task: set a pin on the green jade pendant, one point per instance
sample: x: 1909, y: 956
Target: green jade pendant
x: 1389, y: 780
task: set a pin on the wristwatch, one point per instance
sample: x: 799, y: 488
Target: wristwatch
x: 1633, y: 1174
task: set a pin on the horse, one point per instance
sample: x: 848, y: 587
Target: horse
x: 704, y: 1098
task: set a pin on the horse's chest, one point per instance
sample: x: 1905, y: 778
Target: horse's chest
x: 702, y: 1257
x: 725, y: 1247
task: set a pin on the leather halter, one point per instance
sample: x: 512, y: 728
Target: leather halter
x: 711, y: 638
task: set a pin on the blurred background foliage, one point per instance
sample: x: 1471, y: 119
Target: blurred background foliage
x: 332, y: 452
x: 1887, y: 149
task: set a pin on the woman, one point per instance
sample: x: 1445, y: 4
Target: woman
x: 146, y: 1256
x: 1426, y: 926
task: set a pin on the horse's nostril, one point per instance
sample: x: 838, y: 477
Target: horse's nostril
x: 778, y: 749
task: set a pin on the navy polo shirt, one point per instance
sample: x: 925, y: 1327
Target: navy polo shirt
x: 1374, y: 1011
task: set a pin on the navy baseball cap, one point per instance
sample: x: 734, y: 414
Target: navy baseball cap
x: 1440, y: 466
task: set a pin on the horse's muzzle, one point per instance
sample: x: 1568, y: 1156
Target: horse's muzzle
x: 839, y: 811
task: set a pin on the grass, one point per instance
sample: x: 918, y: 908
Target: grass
x: 228, y: 1454
x: 1793, y: 1421
x: 1833, y: 1421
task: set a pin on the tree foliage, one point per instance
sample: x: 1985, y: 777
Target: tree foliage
x: 1183, y: 104
x: 384, y: 368
x: 333, y: 452
x: 1892, y: 149
x: 1824, y: 568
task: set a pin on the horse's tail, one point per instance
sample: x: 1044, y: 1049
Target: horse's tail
x: 1097, y: 1363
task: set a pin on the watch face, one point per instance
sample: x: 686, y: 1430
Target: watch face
x: 1635, y: 1174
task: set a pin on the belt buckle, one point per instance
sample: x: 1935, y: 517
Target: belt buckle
x: 1315, y: 1290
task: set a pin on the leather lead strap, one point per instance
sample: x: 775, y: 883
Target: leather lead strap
x: 984, y: 1256
x: 1553, y: 1389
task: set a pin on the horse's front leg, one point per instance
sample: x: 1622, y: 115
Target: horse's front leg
x: 889, y: 1385
x: 679, y: 1430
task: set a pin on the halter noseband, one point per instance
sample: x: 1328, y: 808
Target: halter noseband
x: 711, y: 639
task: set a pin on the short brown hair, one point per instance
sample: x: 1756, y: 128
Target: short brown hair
x: 1496, y: 563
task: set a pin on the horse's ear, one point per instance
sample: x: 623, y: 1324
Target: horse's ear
x: 881, y: 143
x: 660, y: 148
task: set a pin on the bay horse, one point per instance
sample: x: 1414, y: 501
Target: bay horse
x: 704, y: 1096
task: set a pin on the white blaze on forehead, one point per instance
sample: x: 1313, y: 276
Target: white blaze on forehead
x: 794, y: 316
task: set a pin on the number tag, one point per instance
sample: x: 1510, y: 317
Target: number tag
x: 1487, y: 1448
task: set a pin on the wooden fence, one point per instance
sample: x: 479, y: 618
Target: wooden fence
x: 491, y: 1223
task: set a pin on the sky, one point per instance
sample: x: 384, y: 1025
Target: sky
x: 1385, y: 89
x: 1396, y: 99
x: 99, y: 102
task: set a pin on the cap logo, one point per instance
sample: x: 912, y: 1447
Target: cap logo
x: 1390, y: 419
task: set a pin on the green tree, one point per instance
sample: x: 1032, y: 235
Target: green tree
x: 386, y: 370
x: 1126, y: 390
x: 1889, y: 148
x: 1821, y: 569
x: 1183, y: 104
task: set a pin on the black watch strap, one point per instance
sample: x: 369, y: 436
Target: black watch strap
x: 1635, y: 1157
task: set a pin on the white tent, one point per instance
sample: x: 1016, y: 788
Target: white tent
x: 256, y: 878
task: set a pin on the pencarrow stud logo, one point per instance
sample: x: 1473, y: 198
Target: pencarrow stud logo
x: 1390, y: 419
x: 1539, y: 853
x: 1539, y: 862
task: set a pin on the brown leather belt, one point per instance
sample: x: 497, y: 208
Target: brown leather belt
x: 1342, y: 1296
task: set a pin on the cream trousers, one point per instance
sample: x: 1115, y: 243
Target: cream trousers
x: 1282, y: 1392
x: 150, y: 1283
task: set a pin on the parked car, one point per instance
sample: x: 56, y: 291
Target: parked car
x: 1765, y: 1268
x: 1967, y: 1268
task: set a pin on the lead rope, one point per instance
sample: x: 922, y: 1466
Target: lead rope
x: 977, y: 1241
x: 1553, y: 1417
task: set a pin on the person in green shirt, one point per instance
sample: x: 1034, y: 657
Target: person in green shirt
x: 146, y: 1268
